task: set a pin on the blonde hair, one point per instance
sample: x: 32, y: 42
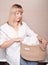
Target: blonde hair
x: 20, y: 9
x: 17, y: 6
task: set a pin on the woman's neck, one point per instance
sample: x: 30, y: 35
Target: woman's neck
x: 15, y: 25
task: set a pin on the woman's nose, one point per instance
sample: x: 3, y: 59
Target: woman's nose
x: 19, y: 15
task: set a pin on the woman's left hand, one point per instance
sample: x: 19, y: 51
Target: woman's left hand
x: 44, y: 42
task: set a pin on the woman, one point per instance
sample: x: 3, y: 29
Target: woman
x: 12, y: 34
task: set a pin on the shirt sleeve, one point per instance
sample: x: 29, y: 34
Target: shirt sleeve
x: 3, y: 37
x: 30, y: 32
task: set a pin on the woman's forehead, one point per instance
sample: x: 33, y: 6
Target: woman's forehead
x: 16, y: 10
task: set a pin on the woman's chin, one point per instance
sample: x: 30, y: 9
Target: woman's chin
x: 17, y: 21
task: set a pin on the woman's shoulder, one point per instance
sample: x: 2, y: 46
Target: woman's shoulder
x: 24, y: 23
x: 3, y: 26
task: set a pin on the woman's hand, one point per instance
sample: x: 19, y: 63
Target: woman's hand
x: 44, y: 42
x: 10, y: 42
x: 18, y: 39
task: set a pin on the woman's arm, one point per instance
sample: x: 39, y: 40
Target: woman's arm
x: 33, y: 34
x: 10, y: 42
x: 43, y: 40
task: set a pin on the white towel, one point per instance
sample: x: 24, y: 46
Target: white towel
x: 30, y: 41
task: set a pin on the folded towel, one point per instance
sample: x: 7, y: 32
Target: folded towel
x: 30, y: 41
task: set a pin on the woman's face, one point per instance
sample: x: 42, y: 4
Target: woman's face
x: 16, y: 14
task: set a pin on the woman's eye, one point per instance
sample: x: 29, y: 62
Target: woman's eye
x: 17, y: 13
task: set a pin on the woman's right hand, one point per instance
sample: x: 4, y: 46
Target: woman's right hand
x: 18, y: 39
x: 10, y: 42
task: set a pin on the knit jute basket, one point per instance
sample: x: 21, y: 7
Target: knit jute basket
x: 33, y: 53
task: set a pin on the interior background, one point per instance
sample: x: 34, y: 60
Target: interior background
x: 35, y: 14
